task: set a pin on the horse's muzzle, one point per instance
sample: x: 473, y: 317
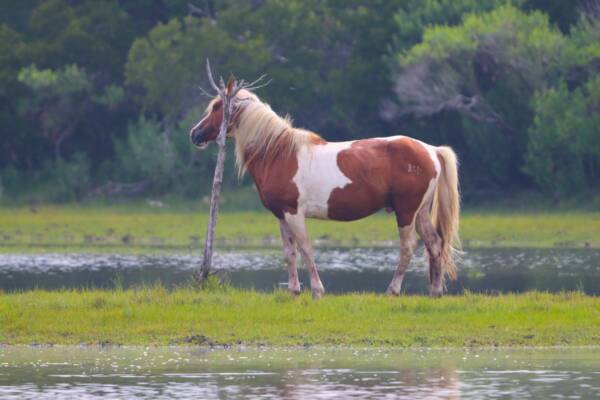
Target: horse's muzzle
x: 198, y: 137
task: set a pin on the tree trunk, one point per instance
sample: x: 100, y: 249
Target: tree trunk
x: 212, y: 216
x: 216, y: 193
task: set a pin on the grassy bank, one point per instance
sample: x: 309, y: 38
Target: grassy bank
x: 156, y: 316
x: 125, y: 228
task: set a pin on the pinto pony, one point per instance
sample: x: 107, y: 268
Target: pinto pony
x: 299, y: 175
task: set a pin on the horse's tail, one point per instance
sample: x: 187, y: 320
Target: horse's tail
x: 446, y: 209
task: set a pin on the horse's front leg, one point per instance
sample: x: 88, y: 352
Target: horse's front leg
x: 289, y: 249
x: 297, y: 226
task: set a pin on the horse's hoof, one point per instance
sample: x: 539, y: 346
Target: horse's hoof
x: 436, y: 292
x: 318, y: 293
x: 392, y: 292
x: 294, y: 292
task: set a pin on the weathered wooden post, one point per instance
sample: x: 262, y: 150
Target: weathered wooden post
x: 227, y: 94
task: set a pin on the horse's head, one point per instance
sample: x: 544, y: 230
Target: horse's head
x: 207, y: 129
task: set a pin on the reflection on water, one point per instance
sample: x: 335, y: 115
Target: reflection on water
x: 78, y: 372
x: 342, y: 270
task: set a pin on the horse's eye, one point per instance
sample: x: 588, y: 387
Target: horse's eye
x: 216, y: 106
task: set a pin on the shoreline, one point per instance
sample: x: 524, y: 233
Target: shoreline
x: 63, y: 248
x: 265, y: 348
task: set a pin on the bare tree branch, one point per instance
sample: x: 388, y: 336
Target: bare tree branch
x: 205, y: 92
x: 423, y: 93
x: 591, y: 8
x: 207, y: 11
x: 211, y: 79
x: 258, y: 83
x: 197, y: 11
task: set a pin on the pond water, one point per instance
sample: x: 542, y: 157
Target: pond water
x: 315, y: 373
x: 342, y: 270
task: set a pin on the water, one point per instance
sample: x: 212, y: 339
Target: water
x: 342, y: 270
x: 315, y: 373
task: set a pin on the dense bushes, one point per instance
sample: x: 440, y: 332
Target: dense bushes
x: 145, y: 152
x: 564, y: 141
x: 97, y: 92
x: 58, y: 180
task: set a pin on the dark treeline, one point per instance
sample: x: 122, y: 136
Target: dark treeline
x: 97, y: 97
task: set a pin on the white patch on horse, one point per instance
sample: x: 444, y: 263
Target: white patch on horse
x: 318, y: 175
x: 392, y: 138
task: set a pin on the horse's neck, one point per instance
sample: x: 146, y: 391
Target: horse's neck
x: 275, y: 167
x: 262, y: 166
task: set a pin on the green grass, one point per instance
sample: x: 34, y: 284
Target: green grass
x: 226, y: 316
x: 135, y: 227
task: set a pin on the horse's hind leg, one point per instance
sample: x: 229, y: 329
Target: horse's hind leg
x: 298, y: 228
x: 289, y: 249
x: 433, y: 243
x: 407, y: 245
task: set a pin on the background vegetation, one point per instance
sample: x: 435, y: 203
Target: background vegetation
x: 96, y: 98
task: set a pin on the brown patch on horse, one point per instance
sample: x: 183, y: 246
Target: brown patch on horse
x: 366, y: 164
x: 384, y: 173
x: 212, y: 124
x: 411, y: 179
x: 273, y: 178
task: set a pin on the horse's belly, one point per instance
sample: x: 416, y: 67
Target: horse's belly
x: 347, y: 203
x: 349, y: 211
x: 316, y: 198
x: 353, y: 203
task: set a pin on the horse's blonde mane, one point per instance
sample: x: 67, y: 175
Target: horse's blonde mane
x: 261, y: 134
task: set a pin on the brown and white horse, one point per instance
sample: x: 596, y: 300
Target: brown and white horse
x: 299, y: 175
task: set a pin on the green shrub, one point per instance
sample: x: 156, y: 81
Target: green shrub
x: 146, y: 153
x: 564, y: 141
x: 72, y: 177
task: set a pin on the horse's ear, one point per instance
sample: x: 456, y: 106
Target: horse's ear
x: 230, y: 83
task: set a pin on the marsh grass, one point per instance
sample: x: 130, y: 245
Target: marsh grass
x: 124, y: 229
x: 153, y: 315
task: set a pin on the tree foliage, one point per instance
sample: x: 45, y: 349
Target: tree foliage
x: 106, y: 91
x: 60, y: 99
x: 168, y: 64
x: 486, y: 69
x: 564, y: 145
